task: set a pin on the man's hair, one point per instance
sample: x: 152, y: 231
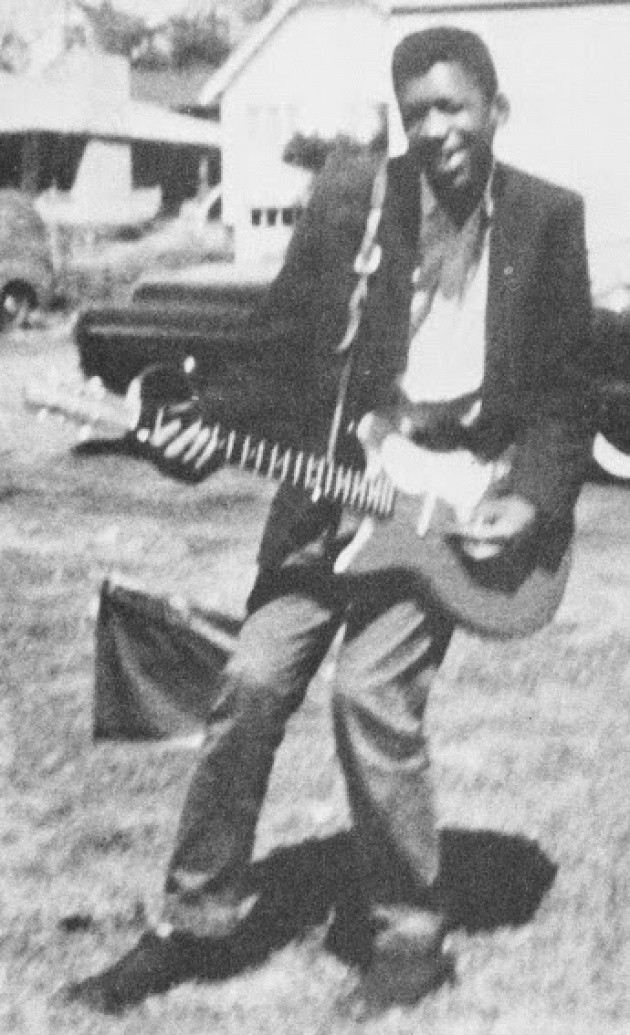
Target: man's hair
x: 416, y: 55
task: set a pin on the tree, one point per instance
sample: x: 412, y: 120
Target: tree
x: 310, y: 150
x: 13, y: 51
x: 198, y: 40
x: 118, y: 32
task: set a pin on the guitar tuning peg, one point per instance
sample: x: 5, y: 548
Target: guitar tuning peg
x: 85, y: 432
x: 43, y: 414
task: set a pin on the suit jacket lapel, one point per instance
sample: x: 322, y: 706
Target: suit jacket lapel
x: 398, y: 238
x: 503, y: 279
x: 383, y: 350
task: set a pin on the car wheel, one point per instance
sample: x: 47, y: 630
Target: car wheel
x: 17, y: 303
x: 611, y: 446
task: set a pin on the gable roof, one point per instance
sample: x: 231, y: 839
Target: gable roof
x: 243, y: 54
x: 404, y: 7
x: 240, y: 57
x: 37, y: 106
x: 169, y: 87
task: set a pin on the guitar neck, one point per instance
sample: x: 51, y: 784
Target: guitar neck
x: 320, y: 477
x: 316, y: 475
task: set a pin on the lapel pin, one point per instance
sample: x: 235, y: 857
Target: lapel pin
x: 508, y: 271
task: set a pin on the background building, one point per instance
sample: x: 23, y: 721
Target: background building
x: 74, y: 137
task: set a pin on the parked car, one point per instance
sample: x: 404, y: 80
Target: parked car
x: 203, y: 219
x: 206, y: 312
x: 26, y: 263
x: 611, y: 448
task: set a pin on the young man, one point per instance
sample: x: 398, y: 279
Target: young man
x: 475, y: 324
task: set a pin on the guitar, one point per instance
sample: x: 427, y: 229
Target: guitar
x: 411, y: 499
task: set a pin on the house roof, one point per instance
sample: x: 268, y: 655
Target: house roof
x: 36, y: 106
x: 169, y: 87
x: 403, y: 7
x: 242, y: 55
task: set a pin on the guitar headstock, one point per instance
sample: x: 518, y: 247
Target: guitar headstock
x: 89, y: 405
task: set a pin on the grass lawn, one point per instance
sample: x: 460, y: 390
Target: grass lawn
x: 530, y: 742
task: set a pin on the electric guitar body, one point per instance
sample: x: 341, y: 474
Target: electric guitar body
x: 512, y: 595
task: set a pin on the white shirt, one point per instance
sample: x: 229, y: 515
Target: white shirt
x: 448, y: 309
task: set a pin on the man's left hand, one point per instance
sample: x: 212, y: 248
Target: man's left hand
x: 495, y: 523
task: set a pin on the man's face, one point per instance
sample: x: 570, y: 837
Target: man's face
x: 450, y: 125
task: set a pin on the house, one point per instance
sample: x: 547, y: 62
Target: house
x: 74, y: 136
x: 292, y: 73
x: 323, y: 65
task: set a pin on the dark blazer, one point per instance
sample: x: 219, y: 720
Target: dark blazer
x: 538, y: 322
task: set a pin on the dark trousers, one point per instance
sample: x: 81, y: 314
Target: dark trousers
x: 393, y: 645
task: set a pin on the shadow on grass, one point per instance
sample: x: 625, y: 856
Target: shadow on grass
x: 491, y: 880
x: 488, y: 880
x: 125, y: 445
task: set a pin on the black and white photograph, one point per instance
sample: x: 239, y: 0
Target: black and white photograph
x: 314, y: 517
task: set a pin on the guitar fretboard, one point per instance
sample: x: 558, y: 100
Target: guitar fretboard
x: 317, y: 475
x: 321, y: 478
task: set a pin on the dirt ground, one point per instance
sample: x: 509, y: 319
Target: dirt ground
x: 530, y: 741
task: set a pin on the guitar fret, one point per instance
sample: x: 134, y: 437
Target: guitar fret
x: 260, y: 454
x: 373, y: 490
x: 384, y: 500
x: 384, y: 497
x: 339, y: 477
x: 273, y: 459
x: 245, y: 451
x: 391, y: 498
x: 231, y: 442
x: 363, y: 492
x: 356, y: 485
x: 299, y: 460
x: 317, y: 488
x: 308, y: 474
x: 286, y: 463
x: 330, y: 473
x: 347, y: 486
x: 211, y: 446
x: 375, y: 500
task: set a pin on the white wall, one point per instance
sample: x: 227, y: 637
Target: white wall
x: 321, y: 71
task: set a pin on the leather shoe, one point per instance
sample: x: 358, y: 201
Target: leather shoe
x: 407, y: 961
x: 154, y: 965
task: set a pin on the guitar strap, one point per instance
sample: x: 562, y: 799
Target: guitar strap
x: 366, y: 263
